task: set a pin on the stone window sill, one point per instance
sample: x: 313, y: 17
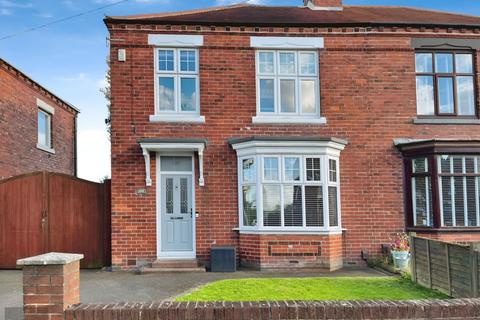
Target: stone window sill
x: 441, y: 121
x: 332, y: 231
x: 177, y: 118
x: 288, y: 120
x: 45, y: 148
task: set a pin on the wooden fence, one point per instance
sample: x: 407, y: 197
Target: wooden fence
x: 43, y: 212
x: 447, y: 267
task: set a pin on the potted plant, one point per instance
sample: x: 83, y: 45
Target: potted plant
x: 400, y: 248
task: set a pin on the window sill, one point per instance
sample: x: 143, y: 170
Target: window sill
x: 45, y: 148
x: 177, y: 118
x: 445, y: 121
x: 288, y: 120
x: 332, y: 231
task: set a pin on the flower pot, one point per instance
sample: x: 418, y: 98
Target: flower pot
x: 401, y: 259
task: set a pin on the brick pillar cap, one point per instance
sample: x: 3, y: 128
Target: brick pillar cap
x: 51, y: 258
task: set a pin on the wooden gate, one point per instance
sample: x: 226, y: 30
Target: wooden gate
x: 50, y: 212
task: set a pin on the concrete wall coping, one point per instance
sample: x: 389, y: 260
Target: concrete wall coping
x: 51, y: 258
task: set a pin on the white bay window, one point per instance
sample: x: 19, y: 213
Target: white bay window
x: 286, y: 188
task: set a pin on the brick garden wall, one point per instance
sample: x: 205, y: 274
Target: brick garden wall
x: 18, y: 129
x: 286, y: 310
x: 368, y: 96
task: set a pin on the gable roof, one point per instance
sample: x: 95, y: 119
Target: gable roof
x: 258, y: 15
x: 32, y: 83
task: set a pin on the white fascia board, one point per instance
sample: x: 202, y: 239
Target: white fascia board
x: 330, y: 148
x: 168, y: 147
x: 175, y: 40
x: 45, y: 106
x: 287, y: 42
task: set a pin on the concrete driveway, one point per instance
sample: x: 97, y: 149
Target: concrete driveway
x: 109, y: 287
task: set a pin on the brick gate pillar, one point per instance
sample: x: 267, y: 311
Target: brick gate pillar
x: 51, y: 283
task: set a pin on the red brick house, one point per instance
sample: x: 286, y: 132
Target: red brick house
x: 300, y: 135
x: 37, y: 128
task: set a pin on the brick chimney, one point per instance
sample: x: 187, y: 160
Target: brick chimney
x: 323, y: 4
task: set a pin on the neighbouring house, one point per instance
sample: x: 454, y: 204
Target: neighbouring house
x: 302, y: 136
x: 37, y: 128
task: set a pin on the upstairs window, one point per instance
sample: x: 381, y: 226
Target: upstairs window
x: 177, y: 83
x: 287, y: 83
x: 445, y: 83
x: 44, y: 129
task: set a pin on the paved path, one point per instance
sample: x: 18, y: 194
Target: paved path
x: 107, y: 287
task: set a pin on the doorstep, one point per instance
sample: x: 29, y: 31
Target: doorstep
x: 172, y: 265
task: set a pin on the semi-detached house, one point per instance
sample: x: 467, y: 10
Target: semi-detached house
x: 300, y: 135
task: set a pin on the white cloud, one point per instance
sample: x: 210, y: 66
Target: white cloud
x: 12, y: 4
x: 5, y: 12
x: 93, y: 154
x: 81, y: 76
x: 44, y: 15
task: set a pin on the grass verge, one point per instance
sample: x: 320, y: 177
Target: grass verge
x: 271, y: 289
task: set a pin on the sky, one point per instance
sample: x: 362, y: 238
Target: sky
x: 69, y: 58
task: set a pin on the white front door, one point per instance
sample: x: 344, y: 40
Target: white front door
x: 176, y: 213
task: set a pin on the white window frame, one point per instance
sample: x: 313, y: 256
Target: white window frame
x: 277, y: 116
x: 48, y: 111
x: 280, y: 150
x: 177, y: 115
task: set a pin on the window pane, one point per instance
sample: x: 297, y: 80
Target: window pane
x: 166, y: 94
x: 293, y: 206
x: 463, y: 63
x: 267, y: 96
x: 425, y: 100
x: 314, y: 206
x: 165, y: 60
x: 332, y: 206
x: 271, y: 206
x: 175, y: 163
x: 249, y: 194
x: 266, y: 62
x: 420, y: 165
x: 184, y: 207
x: 447, y: 201
x: 423, y: 62
x: 465, y: 96
x: 313, y: 169
x: 43, y: 129
x: 287, y: 63
x: 292, y: 169
x: 445, y: 95
x: 188, y: 87
x: 471, y: 201
x: 459, y: 202
x: 308, y: 96
x: 188, y: 60
x: 332, y: 168
x: 287, y: 95
x: 422, y: 206
x: 270, y: 169
x: 445, y: 164
x: 307, y: 63
x: 444, y: 63
x: 248, y: 166
x: 169, y: 195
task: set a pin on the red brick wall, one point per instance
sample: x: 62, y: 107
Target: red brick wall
x: 367, y: 95
x: 18, y: 129
x: 291, y: 251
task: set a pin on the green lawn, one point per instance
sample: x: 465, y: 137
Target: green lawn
x: 379, y: 288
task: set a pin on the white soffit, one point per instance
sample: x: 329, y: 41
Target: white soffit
x: 175, y: 40
x: 287, y: 42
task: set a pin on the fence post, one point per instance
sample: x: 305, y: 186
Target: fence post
x: 429, y: 262
x: 413, y: 267
x: 474, y: 269
x: 51, y: 283
x: 449, y: 275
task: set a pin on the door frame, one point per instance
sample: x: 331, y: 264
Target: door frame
x: 174, y: 254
